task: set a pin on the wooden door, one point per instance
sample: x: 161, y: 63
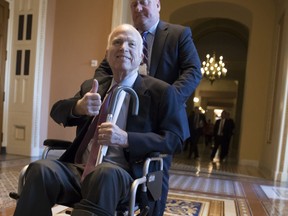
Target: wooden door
x: 4, y: 15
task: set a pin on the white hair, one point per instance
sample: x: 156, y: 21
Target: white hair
x: 125, y: 27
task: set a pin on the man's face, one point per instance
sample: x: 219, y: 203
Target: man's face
x: 145, y: 13
x: 124, y: 51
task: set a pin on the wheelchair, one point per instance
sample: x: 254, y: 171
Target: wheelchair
x: 150, y: 181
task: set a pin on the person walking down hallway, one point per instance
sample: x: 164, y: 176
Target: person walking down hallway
x: 208, y: 133
x: 223, y: 131
x: 197, y: 122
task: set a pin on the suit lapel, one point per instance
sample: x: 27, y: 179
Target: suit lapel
x: 158, y: 44
x: 139, y: 85
x: 104, y: 85
x: 144, y: 103
x: 141, y: 89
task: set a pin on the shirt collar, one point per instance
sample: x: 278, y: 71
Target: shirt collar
x: 152, y: 30
x: 128, y: 81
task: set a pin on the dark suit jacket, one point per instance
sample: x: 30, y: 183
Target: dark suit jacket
x: 159, y: 127
x: 228, y: 128
x: 174, y: 59
x: 201, y: 121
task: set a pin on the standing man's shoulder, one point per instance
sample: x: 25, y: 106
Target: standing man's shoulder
x: 154, y: 83
x: 156, y: 87
x: 174, y: 28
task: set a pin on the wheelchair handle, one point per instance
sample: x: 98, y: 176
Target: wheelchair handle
x: 111, y: 113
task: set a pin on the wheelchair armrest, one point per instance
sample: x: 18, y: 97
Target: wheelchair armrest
x: 54, y: 144
x: 153, y: 178
x: 149, y: 160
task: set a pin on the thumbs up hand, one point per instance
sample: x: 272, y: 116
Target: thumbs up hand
x: 89, y: 104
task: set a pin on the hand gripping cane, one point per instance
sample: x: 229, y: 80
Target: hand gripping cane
x: 111, y: 112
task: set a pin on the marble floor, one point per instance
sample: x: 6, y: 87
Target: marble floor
x: 214, y: 188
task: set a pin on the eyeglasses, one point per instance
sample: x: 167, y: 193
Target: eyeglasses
x: 141, y: 2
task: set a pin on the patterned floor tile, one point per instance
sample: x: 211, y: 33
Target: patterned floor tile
x: 201, y: 187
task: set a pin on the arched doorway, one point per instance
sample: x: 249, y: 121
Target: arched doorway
x: 229, y: 39
x: 225, y: 28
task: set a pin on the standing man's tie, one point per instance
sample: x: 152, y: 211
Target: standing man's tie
x: 221, y: 126
x: 145, y: 47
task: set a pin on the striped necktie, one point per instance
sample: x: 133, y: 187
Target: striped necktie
x: 145, y: 47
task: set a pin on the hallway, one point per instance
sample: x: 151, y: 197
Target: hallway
x: 247, y: 188
x: 202, y: 187
x: 203, y: 165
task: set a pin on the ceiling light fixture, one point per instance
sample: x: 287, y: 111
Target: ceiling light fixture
x: 211, y: 69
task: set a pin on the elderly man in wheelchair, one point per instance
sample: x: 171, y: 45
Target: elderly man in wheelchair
x: 159, y: 125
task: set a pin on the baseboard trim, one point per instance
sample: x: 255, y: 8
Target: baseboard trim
x: 253, y: 163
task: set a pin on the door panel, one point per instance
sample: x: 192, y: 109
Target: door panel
x: 4, y: 15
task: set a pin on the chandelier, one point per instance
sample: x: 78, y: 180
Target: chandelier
x: 211, y: 69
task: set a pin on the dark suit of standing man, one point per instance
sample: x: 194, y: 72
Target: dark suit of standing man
x: 223, y: 131
x: 173, y: 58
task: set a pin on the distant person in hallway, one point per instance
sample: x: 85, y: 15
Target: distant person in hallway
x: 172, y: 55
x: 223, y: 131
x: 208, y: 133
x: 197, y: 122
